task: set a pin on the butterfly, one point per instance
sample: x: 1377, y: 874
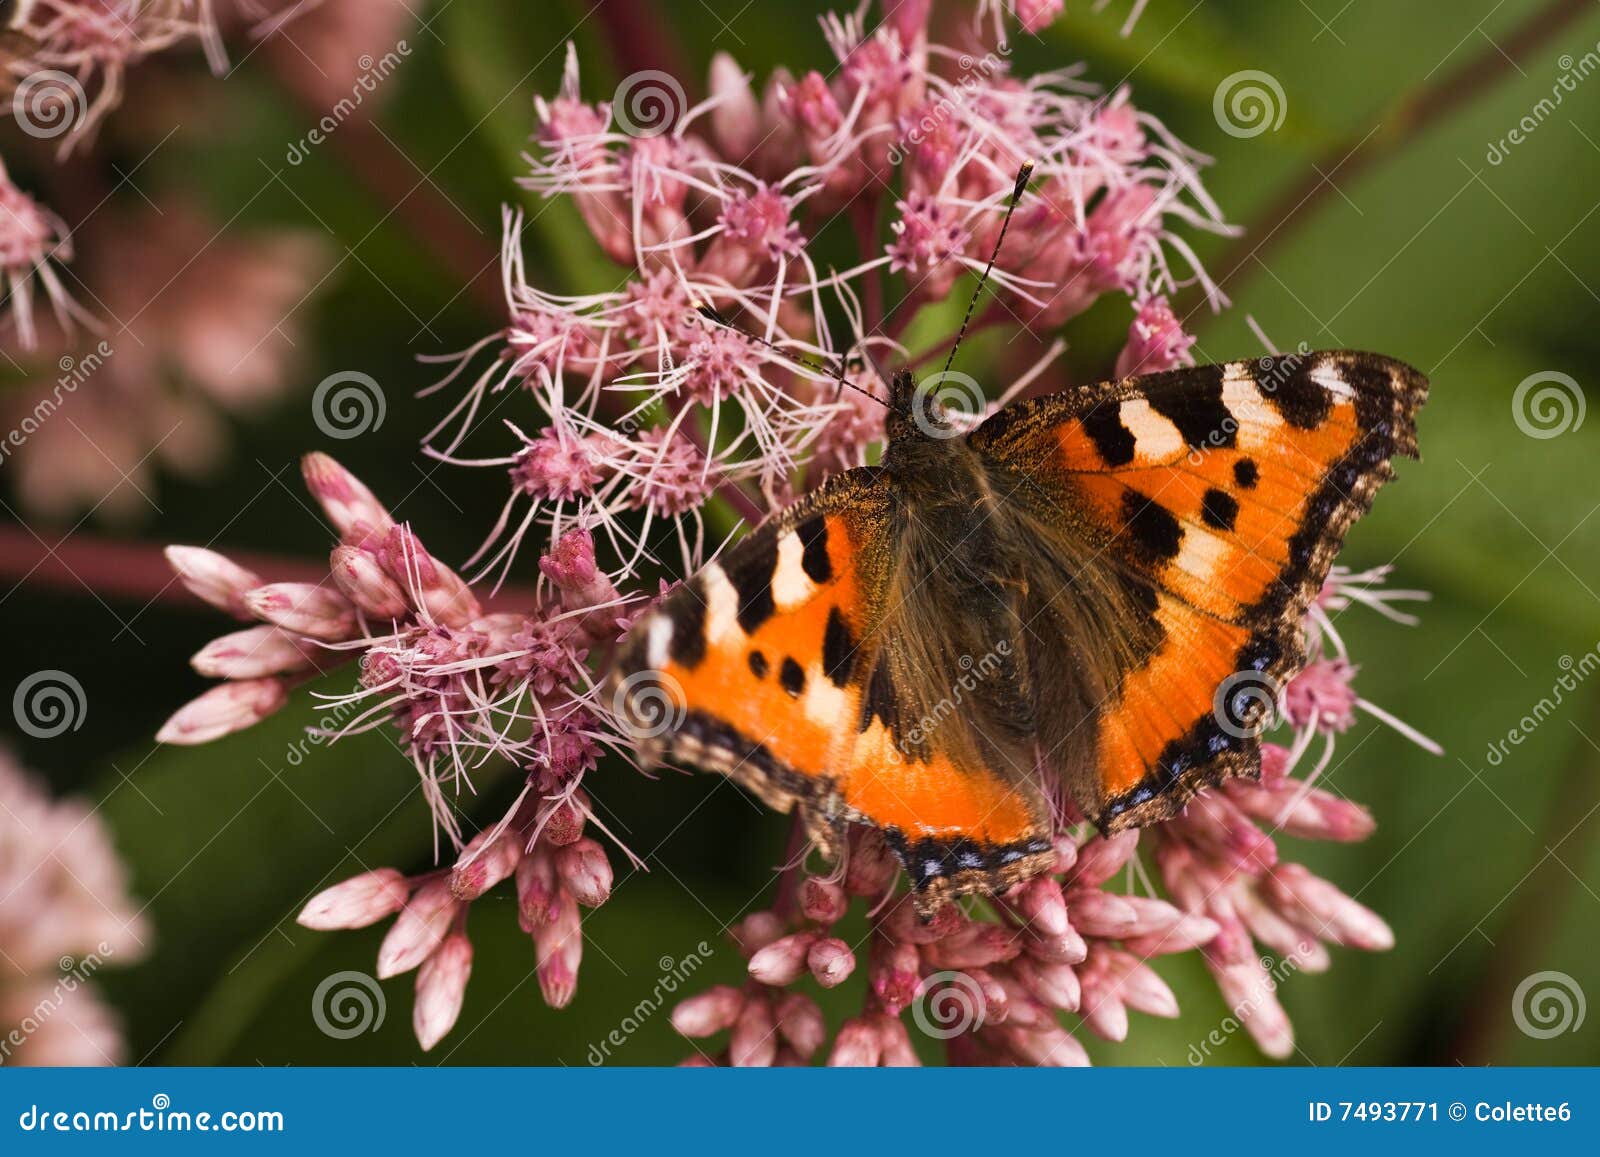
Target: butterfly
x: 1081, y: 607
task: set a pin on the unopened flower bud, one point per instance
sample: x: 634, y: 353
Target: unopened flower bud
x: 210, y: 576
x: 356, y: 902
x: 586, y: 871
x: 362, y: 579
x: 252, y: 654
x: 304, y: 608
x: 421, y: 927
x: 441, y: 987
x: 349, y: 505
x: 223, y: 710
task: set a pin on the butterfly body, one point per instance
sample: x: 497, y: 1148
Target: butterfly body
x: 997, y: 631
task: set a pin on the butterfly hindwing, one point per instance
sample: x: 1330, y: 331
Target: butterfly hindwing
x: 1215, y: 498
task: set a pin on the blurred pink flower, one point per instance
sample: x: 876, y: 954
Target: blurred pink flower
x: 65, y: 912
x: 76, y: 54
x: 194, y: 323
x: 33, y: 241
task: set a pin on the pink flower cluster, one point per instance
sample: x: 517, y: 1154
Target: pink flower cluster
x: 648, y: 419
x: 65, y: 913
x: 644, y: 406
x: 463, y: 688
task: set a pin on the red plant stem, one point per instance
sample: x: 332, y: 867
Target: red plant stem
x: 639, y: 38
x: 138, y: 572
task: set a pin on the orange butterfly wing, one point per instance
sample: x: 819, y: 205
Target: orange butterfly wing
x: 772, y: 666
x: 1220, y: 496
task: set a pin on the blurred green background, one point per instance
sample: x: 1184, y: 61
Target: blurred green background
x: 1400, y: 236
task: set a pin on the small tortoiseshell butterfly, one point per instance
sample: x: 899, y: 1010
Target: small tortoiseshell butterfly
x: 940, y: 645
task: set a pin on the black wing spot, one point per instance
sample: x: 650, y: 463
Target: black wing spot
x: 792, y: 678
x: 1219, y: 509
x: 879, y: 699
x: 814, y: 559
x: 1111, y: 438
x: 838, y: 649
x: 751, y: 577
x: 686, y: 610
x: 758, y: 664
x: 1246, y: 473
x: 1197, y: 409
x: 1301, y: 402
x: 1156, y: 533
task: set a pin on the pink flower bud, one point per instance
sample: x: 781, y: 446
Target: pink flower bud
x: 441, y: 987
x: 537, y: 895
x: 822, y: 900
x: 585, y: 870
x: 1102, y: 914
x: 251, y: 654
x: 1036, y: 15
x: 362, y: 579
x: 975, y: 946
x: 357, y: 902
x: 896, y: 975
x: 1190, y: 931
x: 1156, y: 341
x: 349, y: 505
x: 1041, y: 904
x: 1318, y: 905
x: 800, y: 1023
x: 435, y: 589
x: 222, y: 710
x: 1047, y: 1046
x: 209, y: 576
x: 756, y: 931
x: 480, y: 868
x: 858, y: 1046
x: 831, y: 962
x: 1250, y: 994
x: 1102, y: 858
x: 782, y: 961
x: 754, y: 1040
x: 559, y: 946
x: 421, y: 927
x: 304, y: 608
x: 736, y: 119
x: 894, y: 1044
x: 708, y: 1013
x: 564, y: 824
x: 1054, y: 985
x: 871, y: 867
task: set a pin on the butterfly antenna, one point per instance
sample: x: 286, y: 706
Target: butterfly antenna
x: 1023, y: 174
x: 708, y: 311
